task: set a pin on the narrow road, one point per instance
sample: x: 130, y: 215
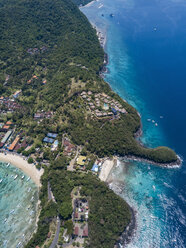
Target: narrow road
x: 49, y: 192
x: 72, y: 162
x: 54, y: 242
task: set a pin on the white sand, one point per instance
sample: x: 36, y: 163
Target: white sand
x: 29, y: 169
x: 106, y: 169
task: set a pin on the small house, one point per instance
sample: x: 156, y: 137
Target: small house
x: 81, y: 160
x: 5, y: 128
x: 52, y: 135
x: 76, y: 231
x: 48, y: 140
x: 17, y: 93
x: 85, y: 232
x: 9, y: 123
x: 55, y: 145
x: 114, y: 111
x: 6, y: 137
x: 95, y: 168
x: 14, y: 143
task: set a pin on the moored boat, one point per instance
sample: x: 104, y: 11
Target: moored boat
x: 28, y: 179
x: 15, y: 177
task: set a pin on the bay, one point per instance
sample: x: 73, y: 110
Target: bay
x: 18, y: 207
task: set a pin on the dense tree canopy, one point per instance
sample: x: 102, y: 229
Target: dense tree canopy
x: 50, y: 51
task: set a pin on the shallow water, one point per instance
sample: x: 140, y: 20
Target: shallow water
x: 147, y: 49
x: 18, y: 207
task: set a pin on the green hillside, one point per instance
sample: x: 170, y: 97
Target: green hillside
x: 50, y: 39
x: 51, y: 54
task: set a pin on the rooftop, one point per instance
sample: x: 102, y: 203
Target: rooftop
x: 48, y: 140
x: 81, y: 160
x: 52, y: 135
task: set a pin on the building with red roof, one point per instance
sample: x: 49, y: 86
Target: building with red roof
x: 76, y: 231
x: 85, y: 232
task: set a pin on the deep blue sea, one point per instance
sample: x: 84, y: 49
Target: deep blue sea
x: 18, y: 207
x: 146, y: 44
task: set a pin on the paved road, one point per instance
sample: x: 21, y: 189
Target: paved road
x: 49, y: 192
x: 72, y: 162
x: 54, y: 242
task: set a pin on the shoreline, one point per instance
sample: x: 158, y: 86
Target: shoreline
x: 22, y: 164
x: 105, y: 176
x: 108, y: 165
x: 139, y: 132
x: 175, y: 164
x: 129, y: 231
x: 104, y: 70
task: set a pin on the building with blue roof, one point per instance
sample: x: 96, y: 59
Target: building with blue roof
x: 48, y: 140
x: 54, y: 145
x: 114, y: 111
x: 95, y: 168
x: 52, y: 135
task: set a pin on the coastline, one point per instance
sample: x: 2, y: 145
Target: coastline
x: 102, y: 37
x: 108, y: 165
x: 128, y: 233
x: 175, y: 164
x: 105, y: 176
x: 19, y: 162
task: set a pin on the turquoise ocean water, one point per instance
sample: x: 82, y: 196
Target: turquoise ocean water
x: 18, y: 207
x: 146, y: 44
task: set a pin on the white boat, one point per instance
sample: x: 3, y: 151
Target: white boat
x: 15, y: 177
x: 22, y: 177
x: 29, y: 189
x: 5, y: 242
x: 153, y: 121
x: 153, y: 217
x: 156, y: 124
x: 154, y: 187
x: 31, y: 212
x: 8, y: 165
x: 5, y: 220
x: 1, y: 180
x: 28, y: 179
x: 148, y: 119
x: 18, y: 245
x: 12, y: 211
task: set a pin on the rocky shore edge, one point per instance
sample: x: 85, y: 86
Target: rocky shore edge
x: 129, y: 232
x: 175, y: 164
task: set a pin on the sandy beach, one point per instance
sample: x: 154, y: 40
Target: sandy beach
x: 29, y: 169
x: 106, y: 168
